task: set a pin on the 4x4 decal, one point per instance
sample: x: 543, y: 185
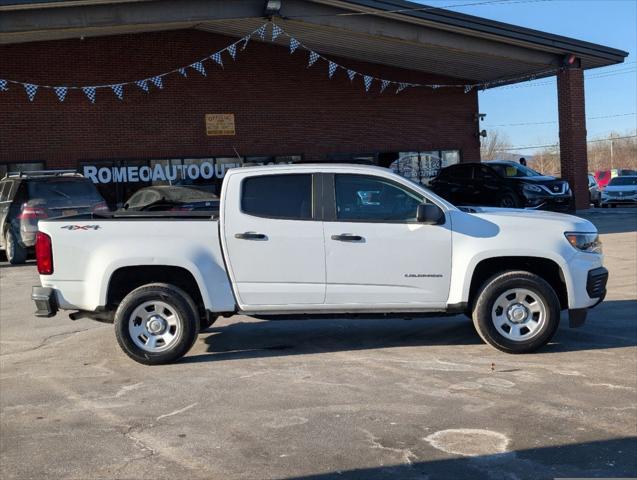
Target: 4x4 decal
x: 81, y: 227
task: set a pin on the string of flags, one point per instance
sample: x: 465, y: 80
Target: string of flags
x: 201, y: 65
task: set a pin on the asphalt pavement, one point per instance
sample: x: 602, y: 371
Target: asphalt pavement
x: 413, y: 399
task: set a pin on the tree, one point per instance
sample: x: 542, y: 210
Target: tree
x: 494, y: 144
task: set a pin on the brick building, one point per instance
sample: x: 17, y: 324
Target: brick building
x: 272, y: 107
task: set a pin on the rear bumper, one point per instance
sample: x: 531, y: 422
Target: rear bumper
x: 45, y: 301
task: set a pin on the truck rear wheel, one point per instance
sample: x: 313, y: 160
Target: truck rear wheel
x: 516, y: 312
x: 156, y: 323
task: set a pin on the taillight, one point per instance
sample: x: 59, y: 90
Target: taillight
x: 44, y: 253
x: 32, y: 213
x: 101, y: 207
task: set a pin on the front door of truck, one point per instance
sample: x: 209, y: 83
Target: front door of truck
x: 377, y: 255
x: 274, y: 241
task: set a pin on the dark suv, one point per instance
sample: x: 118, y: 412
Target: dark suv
x: 502, y: 184
x: 27, y: 197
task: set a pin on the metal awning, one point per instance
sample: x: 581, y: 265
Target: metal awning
x: 429, y: 40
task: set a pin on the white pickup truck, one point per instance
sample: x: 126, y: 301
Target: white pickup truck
x: 319, y: 240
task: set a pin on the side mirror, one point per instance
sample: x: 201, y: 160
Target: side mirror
x: 429, y: 214
x: 126, y: 206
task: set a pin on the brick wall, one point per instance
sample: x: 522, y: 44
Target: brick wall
x: 280, y: 106
x: 572, y: 119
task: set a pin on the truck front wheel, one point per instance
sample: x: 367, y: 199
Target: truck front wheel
x: 156, y: 323
x: 516, y: 312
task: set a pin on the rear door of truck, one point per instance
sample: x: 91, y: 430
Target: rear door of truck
x: 272, y: 239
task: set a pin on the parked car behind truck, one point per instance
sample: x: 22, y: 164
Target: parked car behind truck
x: 502, y: 184
x: 26, y: 198
x: 308, y: 240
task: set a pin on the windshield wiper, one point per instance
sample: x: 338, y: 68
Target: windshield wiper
x: 62, y: 194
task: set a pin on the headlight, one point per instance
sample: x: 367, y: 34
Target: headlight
x: 586, y: 242
x: 527, y: 187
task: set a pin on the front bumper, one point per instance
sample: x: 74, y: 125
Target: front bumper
x: 559, y: 203
x: 45, y: 301
x: 596, y: 289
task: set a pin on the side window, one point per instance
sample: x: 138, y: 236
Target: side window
x: 374, y: 199
x: 278, y: 196
x: 485, y: 173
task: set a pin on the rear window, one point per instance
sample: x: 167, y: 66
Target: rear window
x: 52, y: 190
x: 278, y: 196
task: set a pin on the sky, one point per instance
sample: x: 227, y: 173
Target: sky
x: 609, y: 91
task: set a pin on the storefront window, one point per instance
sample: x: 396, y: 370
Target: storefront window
x: 422, y: 167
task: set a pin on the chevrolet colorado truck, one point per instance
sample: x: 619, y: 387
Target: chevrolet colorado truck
x: 299, y: 241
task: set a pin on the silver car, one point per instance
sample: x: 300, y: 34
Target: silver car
x: 620, y: 191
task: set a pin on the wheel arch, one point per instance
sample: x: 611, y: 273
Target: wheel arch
x: 546, y: 268
x: 124, y: 280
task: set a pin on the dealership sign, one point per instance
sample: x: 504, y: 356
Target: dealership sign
x: 205, y: 170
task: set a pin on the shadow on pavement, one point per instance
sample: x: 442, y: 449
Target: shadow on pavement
x: 604, y: 458
x: 619, y: 220
x: 611, y: 325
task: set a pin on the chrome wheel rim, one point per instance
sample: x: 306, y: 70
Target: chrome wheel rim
x: 519, y: 314
x: 154, y: 326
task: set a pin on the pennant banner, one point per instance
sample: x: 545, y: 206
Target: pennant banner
x: 90, y: 91
x: 232, y: 50
x: 331, y: 69
x: 143, y: 84
x: 61, y: 93
x: 313, y: 58
x: 31, y: 90
x: 294, y: 44
x: 118, y: 90
x: 157, y: 82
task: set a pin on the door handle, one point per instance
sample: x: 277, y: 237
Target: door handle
x: 347, y: 237
x: 250, y: 236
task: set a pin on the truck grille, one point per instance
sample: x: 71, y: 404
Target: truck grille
x: 596, y: 282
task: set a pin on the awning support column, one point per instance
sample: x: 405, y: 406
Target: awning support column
x: 572, y: 120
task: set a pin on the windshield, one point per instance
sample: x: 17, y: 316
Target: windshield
x: 514, y: 170
x: 623, y: 181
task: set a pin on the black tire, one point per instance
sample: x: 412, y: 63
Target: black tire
x: 206, y: 321
x: 16, y: 252
x: 494, y: 289
x: 509, y: 200
x: 181, y: 306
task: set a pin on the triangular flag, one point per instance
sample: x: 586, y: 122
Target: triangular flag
x: 351, y: 74
x: 217, y: 58
x: 90, y: 93
x: 313, y: 58
x: 118, y: 90
x: 143, y: 84
x: 246, y: 39
x: 183, y: 72
x: 331, y: 69
x: 468, y: 88
x: 157, y: 82
x: 232, y: 50
x: 276, y: 31
x: 384, y: 85
x: 368, y: 82
x: 199, y: 67
x: 294, y: 44
x: 60, y: 92
x: 435, y: 87
x: 31, y: 90
x: 3, y: 86
x: 261, y: 31
x: 401, y: 87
